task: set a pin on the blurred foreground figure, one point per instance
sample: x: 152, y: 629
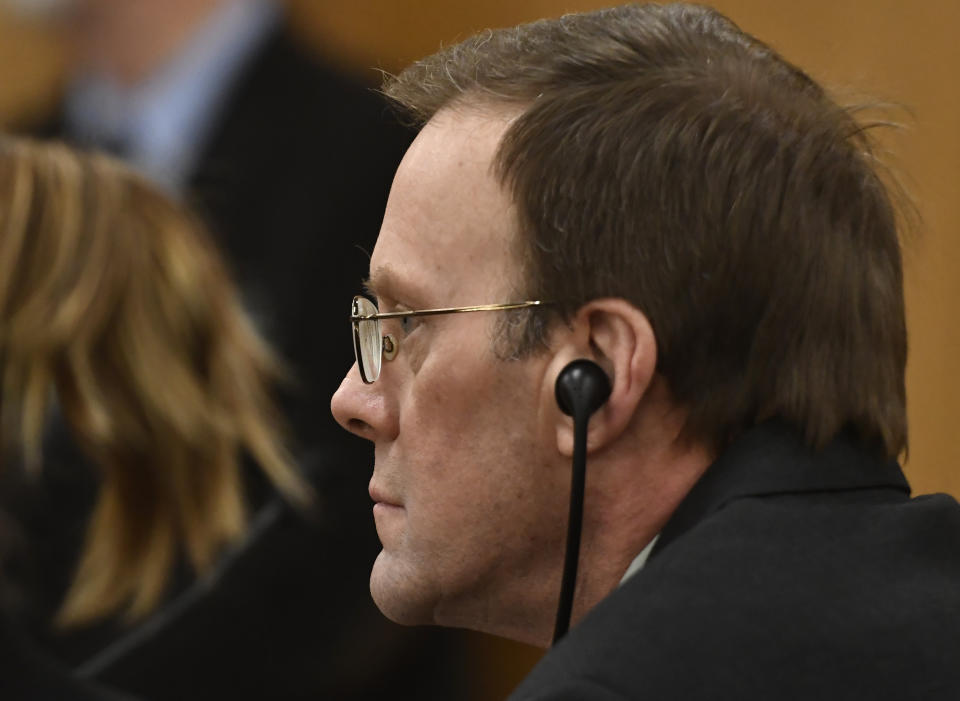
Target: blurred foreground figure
x: 289, y: 163
x: 116, y: 311
x: 655, y: 193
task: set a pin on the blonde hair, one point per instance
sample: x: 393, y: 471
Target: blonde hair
x: 115, y: 304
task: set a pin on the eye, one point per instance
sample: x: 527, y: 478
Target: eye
x: 408, y: 324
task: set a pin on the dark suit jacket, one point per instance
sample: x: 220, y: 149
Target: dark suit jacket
x: 28, y: 675
x: 785, y: 574
x: 293, y: 182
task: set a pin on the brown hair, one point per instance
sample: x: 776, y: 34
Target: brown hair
x: 114, y: 301
x: 664, y: 156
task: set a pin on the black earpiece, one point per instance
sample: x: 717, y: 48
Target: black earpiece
x: 582, y: 388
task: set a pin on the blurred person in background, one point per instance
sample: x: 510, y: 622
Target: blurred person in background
x: 118, y: 315
x: 289, y: 164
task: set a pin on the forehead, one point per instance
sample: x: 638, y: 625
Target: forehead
x: 449, y: 224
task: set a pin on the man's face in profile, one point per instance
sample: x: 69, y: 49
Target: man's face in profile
x: 467, y: 509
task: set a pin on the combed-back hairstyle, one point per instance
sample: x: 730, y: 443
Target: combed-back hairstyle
x: 664, y: 156
x: 114, y: 304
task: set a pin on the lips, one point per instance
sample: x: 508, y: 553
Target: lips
x: 381, y: 497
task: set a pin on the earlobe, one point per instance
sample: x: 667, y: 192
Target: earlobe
x: 617, y: 337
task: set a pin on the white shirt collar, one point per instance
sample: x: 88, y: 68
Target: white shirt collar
x: 640, y: 560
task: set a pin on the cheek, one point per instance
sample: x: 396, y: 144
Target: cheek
x: 473, y: 435
x: 473, y: 460
x: 463, y: 405
x: 448, y: 388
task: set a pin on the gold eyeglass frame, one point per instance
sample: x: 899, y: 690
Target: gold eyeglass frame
x: 389, y: 346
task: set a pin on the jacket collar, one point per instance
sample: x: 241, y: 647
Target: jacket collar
x: 772, y: 458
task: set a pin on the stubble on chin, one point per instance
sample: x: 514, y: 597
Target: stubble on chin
x: 397, y: 592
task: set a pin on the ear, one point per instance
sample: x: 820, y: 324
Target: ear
x: 618, y: 337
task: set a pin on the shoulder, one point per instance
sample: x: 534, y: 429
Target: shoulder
x: 787, y: 597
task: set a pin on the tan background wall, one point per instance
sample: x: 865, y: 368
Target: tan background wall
x: 897, y: 50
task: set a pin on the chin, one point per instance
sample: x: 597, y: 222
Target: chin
x: 401, y: 596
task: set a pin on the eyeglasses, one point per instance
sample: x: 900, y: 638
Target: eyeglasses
x: 370, y: 346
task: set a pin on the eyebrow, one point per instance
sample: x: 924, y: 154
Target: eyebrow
x: 385, y: 283
x: 380, y: 282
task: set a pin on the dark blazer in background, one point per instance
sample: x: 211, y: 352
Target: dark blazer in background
x: 293, y: 183
x: 784, y: 574
x: 28, y: 675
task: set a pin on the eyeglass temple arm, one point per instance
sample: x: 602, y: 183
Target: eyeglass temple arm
x: 449, y: 310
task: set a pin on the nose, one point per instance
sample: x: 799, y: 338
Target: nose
x: 363, y: 410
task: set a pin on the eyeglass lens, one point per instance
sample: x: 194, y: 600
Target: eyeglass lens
x: 367, y: 339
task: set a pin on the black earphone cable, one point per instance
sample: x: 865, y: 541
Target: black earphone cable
x: 574, y: 526
x: 582, y: 387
